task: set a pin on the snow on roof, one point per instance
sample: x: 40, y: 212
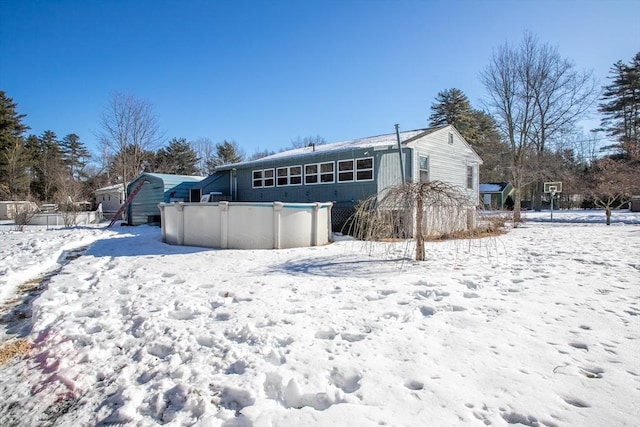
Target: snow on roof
x: 492, y: 187
x: 116, y: 187
x: 353, y: 144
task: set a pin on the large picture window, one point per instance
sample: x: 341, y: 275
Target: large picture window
x: 319, y: 173
x: 355, y: 170
x: 290, y: 175
x: 263, y: 178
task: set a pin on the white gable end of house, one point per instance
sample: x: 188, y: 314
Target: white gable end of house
x: 449, y: 157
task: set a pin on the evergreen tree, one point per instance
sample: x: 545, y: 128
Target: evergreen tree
x: 478, y: 128
x: 621, y: 107
x: 226, y: 153
x: 177, y: 158
x: 74, y: 155
x: 13, y: 166
x: 47, y: 166
x: 452, y: 107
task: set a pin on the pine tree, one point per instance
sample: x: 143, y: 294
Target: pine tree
x: 48, y: 164
x: 177, y: 158
x: 13, y: 165
x: 226, y: 153
x: 74, y: 155
x: 621, y: 107
x: 452, y: 107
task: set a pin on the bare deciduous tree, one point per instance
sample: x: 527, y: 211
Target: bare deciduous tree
x: 535, y: 95
x: 205, y: 149
x: 307, y: 141
x: 129, y: 128
x: 611, y: 183
x: 415, y: 209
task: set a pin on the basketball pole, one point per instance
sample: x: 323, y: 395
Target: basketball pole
x: 553, y: 193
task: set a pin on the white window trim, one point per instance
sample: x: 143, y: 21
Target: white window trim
x: 352, y: 170
x: 355, y: 170
x: 355, y: 176
x: 263, y: 178
x: 289, y: 176
x: 319, y: 173
x: 420, y: 168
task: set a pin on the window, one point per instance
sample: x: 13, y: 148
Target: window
x: 469, y: 176
x: 364, y: 169
x: 450, y: 138
x: 424, y: 168
x: 263, y: 178
x: 290, y: 175
x: 345, y: 170
x: 355, y: 170
x: 320, y: 173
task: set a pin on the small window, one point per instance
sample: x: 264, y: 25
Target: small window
x: 326, y: 172
x: 364, y: 169
x: 345, y: 170
x: 311, y: 174
x: 424, y: 168
x: 320, y: 173
x: 283, y: 178
x: 290, y: 175
x: 257, y: 179
x: 263, y: 178
x: 469, y: 176
x: 268, y: 178
x: 295, y: 175
x: 450, y: 138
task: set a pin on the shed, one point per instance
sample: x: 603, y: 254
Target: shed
x: 9, y: 208
x: 349, y: 171
x: 157, y: 188
x: 634, y: 204
x: 494, y: 194
x: 111, y: 198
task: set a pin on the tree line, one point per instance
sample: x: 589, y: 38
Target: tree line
x: 526, y: 133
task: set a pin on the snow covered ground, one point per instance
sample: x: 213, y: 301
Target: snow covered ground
x: 538, y: 327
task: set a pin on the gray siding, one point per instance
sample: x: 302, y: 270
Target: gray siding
x: 341, y: 193
x: 389, y: 167
x: 158, y: 188
x: 145, y: 203
x: 447, y: 162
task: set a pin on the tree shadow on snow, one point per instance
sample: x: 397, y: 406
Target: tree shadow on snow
x: 138, y: 241
x: 330, y: 267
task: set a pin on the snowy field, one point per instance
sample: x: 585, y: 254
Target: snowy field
x: 537, y: 327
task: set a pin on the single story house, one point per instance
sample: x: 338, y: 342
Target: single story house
x: 494, y: 194
x: 111, y: 197
x: 9, y: 208
x: 349, y: 171
x: 156, y: 188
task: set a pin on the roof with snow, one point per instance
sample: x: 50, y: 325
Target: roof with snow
x: 493, y: 187
x: 110, y: 188
x: 368, y: 142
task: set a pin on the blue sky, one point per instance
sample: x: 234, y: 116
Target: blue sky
x: 265, y: 72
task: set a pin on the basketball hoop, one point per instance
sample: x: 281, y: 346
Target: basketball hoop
x: 552, y: 188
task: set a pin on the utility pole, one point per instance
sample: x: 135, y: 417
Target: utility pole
x: 400, y: 154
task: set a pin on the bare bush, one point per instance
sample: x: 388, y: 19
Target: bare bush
x: 422, y: 210
x: 24, y: 214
